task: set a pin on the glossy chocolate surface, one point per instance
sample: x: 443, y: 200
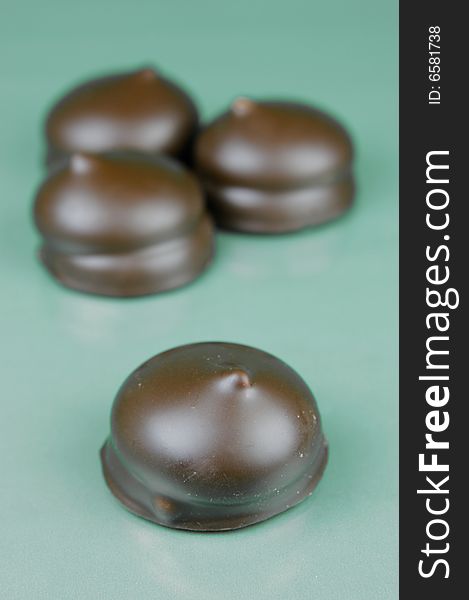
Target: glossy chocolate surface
x: 213, y: 436
x: 140, y: 111
x: 123, y: 224
x: 272, y: 167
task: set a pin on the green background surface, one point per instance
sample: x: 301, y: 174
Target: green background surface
x: 324, y: 300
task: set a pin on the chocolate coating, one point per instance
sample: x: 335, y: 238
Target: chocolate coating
x: 213, y: 436
x: 123, y: 224
x: 272, y: 167
x: 140, y: 111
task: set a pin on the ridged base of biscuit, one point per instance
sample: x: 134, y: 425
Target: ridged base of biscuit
x: 158, y: 268
x: 257, y: 210
x: 207, y: 517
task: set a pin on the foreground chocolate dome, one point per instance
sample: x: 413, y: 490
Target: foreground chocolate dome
x: 123, y: 224
x: 140, y: 111
x: 272, y: 167
x: 213, y: 436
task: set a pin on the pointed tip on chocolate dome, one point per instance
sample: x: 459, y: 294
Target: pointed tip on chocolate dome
x: 239, y: 377
x: 242, y: 106
x: 146, y: 74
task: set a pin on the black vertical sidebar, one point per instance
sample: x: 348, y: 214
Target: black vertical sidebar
x: 434, y: 253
